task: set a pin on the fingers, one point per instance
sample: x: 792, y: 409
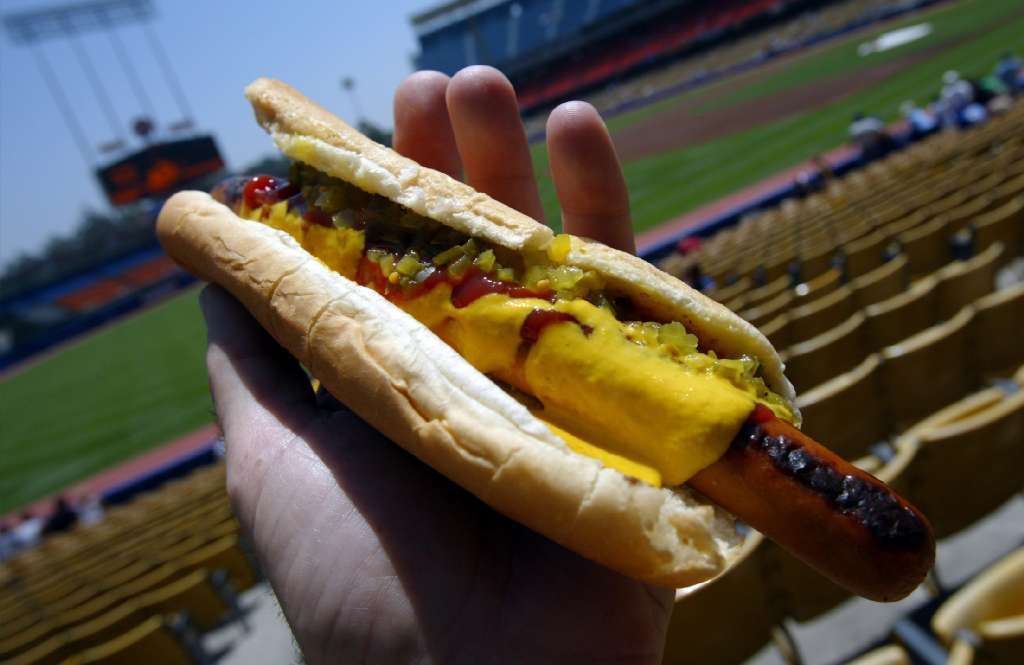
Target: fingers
x: 588, y: 178
x: 491, y: 138
x: 423, y: 131
x: 254, y: 382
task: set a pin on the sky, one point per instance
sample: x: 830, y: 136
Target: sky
x: 216, y: 49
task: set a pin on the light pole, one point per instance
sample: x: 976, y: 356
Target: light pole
x: 348, y: 84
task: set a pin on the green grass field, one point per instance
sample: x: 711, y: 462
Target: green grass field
x: 142, y: 382
x: 109, y: 397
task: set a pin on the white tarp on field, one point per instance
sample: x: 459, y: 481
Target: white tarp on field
x: 894, y: 38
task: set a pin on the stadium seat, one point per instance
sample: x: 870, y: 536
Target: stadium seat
x: 822, y: 285
x: 777, y: 331
x: 800, y: 592
x: 983, y: 622
x: 962, y: 216
x: 193, y: 594
x: 853, y: 399
x: 1008, y: 191
x: 725, y: 620
x: 928, y: 371
x: 223, y: 554
x: 676, y: 264
x: 727, y: 293
x: 826, y: 355
x: 891, y: 654
x: 865, y: 254
x: 777, y: 266
x: 881, y: 283
x: 153, y: 642
x: 816, y: 317
x: 97, y: 631
x: 763, y: 294
x: 904, y: 314
x: 1004, y: 224
x: 963, y: 282
x: 816, y: 261
x: 973, y: 445
x: 765, y: 312
x: 995, y: 347
x: 912, y: 221
x: 926, y: 247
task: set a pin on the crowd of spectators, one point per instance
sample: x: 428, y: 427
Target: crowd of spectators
x: 30, y: 528
x: 961, y: 102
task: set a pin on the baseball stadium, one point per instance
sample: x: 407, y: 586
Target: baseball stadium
x: 846, y: 176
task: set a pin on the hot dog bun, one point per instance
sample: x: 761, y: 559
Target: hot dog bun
x: 406, y: 382
x: 414, y: 388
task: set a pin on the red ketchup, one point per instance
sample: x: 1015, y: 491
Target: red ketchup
x: 476, y: 285
x: 264, y: 190
x: 760, y: 415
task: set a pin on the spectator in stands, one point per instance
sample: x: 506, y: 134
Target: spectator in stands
x: 957, y: 94
x: 867, y: 133
x: 920, y: 121
x: 28, y: 531
x: 90, y: 509
x: 1010, y: 70
x: 63, y: 517
x: 371, y: 551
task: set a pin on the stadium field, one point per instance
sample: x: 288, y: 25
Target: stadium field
x: 142, y: 382
x: 104, y: 399
x: 693, y: 148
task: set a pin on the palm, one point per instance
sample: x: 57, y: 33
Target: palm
x: 374, y: 555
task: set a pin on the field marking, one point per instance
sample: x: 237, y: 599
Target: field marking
x: 894, y: 39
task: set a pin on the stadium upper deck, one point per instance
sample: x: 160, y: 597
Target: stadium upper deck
x: 539, y: 43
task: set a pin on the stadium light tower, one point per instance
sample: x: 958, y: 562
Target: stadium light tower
x: 161, y: 166
x: 69, y: 22
x: 348, y: 84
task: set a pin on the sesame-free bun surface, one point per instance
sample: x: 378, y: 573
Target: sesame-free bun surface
x: 406, y: 382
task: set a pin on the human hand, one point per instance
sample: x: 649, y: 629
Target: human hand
x: 374, y: 556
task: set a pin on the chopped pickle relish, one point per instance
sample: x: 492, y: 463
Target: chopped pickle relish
x: 641, y: 396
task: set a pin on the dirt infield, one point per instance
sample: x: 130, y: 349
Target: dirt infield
x: 680, y: 127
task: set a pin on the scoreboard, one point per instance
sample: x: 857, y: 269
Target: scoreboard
x: 159, y: 169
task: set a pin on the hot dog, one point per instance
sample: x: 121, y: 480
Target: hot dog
x: 588, y: 388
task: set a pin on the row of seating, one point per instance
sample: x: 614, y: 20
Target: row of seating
x: 152, y: 574
x: 893, y: 310
x: 844, y: 342
x: 105, y: 291
x: 973, y: 446
x: 887, y: 390
x: 930, y: 191
x: 983, y: 622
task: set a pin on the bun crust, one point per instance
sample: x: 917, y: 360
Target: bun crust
x: 406, y: 382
